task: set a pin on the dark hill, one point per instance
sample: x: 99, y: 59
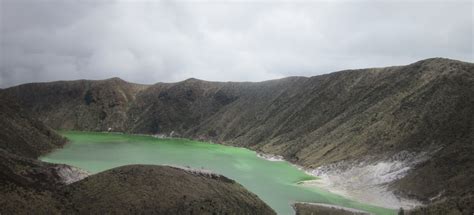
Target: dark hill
x: 30, y: 186
x: 84, y: 105
x: 22, y: 134
x: 146, y: 189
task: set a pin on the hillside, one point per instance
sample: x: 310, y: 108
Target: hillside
x: 167, y: 190
x: 102, y: 104
x: 417, y: 118
x: 27, y: 184
x: 31, y: 186
x: 22, y: 134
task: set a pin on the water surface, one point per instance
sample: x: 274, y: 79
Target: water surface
x: 274, y: 182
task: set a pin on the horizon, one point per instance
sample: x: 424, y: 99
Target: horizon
x: 186, y: 79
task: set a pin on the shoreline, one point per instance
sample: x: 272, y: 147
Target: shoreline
x: 270, y: 157
x: 375, y: 195
x: 335, y: 181
x: 356, y: 185
x: 333, y: 208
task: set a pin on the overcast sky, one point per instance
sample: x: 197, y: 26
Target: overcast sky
x: 168, y: 41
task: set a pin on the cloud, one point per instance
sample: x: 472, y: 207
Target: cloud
x: 167, y: 41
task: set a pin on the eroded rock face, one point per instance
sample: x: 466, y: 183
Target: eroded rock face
x: 369, y: 181
x: 70, y: 174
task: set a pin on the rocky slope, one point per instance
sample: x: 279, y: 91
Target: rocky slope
x: 394, y: 115
x: 22, y: 134
x: 28, y: 185
x: 31, y: 186
x: 147, y: 189
x: 102, y: 104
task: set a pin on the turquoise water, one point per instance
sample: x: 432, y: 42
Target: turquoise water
x: 274, y: 182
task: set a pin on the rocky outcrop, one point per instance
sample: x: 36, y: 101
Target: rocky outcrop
x: 70, y: 174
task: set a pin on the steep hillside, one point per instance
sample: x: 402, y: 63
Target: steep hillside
x: 30, y: 186
x: 27, y: 185
x: 80, y: 105
x: 22, y: 134
x: 417, y: 117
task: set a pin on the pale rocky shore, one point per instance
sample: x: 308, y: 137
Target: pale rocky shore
x: 303, y: 208
x: 70, y: 174
x: 270, y: 157
x: 368, y: 181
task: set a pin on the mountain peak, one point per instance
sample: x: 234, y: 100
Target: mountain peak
x: 192, y: 80
x: 115, y: 79
x: 438, y: 61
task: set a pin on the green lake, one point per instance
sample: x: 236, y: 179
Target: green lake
x: 275, y: 182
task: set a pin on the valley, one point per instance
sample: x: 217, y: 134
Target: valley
x: 276, y: 183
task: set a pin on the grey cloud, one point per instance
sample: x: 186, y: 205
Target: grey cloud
x: 165, y: 41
